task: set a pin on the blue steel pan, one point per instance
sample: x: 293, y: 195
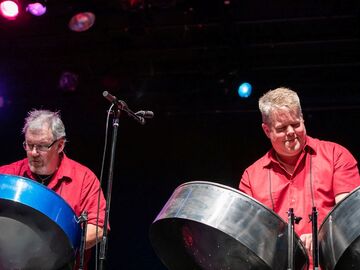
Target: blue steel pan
x: 38, y: 229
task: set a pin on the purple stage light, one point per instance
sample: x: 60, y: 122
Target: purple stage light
x: 36, y: 9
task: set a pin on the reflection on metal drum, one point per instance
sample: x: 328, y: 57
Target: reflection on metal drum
x: 208, y: 226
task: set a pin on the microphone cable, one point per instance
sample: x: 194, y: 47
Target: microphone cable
x: 101, y: 181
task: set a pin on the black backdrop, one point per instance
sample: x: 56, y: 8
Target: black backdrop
x: 152, y: 160
x: 182, y: 59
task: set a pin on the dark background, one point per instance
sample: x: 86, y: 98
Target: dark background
x: 183, y: 60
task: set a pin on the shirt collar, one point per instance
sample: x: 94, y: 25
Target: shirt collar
x: 310, y: 147
x: 63, y: 171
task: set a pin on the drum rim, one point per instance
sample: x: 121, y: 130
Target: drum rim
x: 337, y: 206
x: 39, y: 185
x: 235, y: 191
x: 72, y: 231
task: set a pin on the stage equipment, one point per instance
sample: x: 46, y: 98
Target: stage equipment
x: 83, y: 220
x: 292, y: 220
x: 139, y: 116
x: 81, y: 21
x: 339, y: 235
x: 39, y: 230
x: 315, y: 238
x: 9, y: 9
x: 69, y: 81
x: 245, y: 90
x: 37, y: 8
x: 117, y: 107
x: 207, y: 226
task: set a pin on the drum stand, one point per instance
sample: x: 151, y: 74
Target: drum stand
x: 292, y: 220
x: 83, y: 220
x: 313, y: 219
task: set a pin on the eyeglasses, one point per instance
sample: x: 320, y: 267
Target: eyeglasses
x: 39, y: 147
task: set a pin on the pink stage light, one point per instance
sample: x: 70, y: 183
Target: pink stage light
x: 36, y: 9
x: 9, y: 9
x: 82, y: 21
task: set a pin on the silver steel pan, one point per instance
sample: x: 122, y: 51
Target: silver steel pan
x: 214, y: 227
x: 38, y: 229
x: 339, y: 235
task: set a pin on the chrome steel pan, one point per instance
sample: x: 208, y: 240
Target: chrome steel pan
x: 38, y: 229
x: 339, y: 235
x: 210, y: 226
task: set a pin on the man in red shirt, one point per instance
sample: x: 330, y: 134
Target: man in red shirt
x: 299, y: 172
x: 46, y: 163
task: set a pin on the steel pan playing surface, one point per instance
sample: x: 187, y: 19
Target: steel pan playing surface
x: 207, y: 226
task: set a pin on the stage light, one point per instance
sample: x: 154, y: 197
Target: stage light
x: 9, y: 9
x: 245, y: 90
x: 82, y: 21
x: 68, y: 81
x: 2, y: 101
x: 36, y: 8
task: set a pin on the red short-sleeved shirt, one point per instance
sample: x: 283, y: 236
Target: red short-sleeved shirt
x: 74, y: 182
x: 325, y: 167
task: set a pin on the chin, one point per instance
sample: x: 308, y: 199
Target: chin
x: 294, y: 152
x: 37, y: 170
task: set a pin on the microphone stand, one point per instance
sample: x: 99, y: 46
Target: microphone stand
x: 103, y: 244
x: 140, y: 118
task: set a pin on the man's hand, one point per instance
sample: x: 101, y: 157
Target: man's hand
x: 307, y: 241
x: 340, y: 197
x: 91, y: 235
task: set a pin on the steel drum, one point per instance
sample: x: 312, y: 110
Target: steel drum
x: 213, y: 227
x: 38, y: 229
x: 339, y: 235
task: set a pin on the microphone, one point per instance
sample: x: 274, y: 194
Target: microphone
x: 114, y: 100
x: 123, y: 107
x: 145, y: 114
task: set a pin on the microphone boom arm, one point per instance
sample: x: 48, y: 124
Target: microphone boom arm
x: 122, y: 106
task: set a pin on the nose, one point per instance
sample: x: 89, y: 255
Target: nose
x: 290, y: 130
x: 34, y: 151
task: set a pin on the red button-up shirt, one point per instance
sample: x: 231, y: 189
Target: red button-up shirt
x: 75, y: 183
x: 324, y: 170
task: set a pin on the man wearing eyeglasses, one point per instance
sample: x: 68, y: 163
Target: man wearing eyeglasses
x: 47, y: 163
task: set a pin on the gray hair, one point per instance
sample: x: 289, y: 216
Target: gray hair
x: 36, y: 119
x: 279, y: 98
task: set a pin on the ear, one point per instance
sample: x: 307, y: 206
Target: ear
x: 266, y: 129
x: 61, y: 146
